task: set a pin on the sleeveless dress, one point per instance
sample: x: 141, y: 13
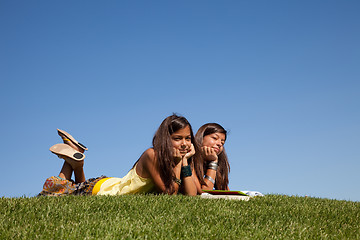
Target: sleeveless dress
x: 130, y: 184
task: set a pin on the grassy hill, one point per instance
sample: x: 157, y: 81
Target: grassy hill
x: 178, y: 217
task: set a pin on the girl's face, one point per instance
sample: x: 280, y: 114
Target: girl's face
x: 181, y: 140
x: 215, y: 141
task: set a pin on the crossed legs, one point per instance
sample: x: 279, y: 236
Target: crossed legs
x: 71, y: 165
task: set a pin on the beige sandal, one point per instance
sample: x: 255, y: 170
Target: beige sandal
x: 64, y: 150
x: 67, y: 137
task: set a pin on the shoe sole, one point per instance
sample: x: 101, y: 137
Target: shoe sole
x: 62, y: 149
x: 68, y: 136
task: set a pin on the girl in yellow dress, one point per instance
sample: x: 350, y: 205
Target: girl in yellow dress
x: 167, y: 167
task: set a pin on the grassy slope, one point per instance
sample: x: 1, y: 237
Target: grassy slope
x: 175, y: 217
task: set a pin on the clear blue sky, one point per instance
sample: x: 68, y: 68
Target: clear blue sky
x: 282, y: 76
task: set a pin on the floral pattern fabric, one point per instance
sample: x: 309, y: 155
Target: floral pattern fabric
x: 56, y: 186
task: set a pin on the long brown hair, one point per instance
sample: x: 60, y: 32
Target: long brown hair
x: 222, y: 173
x: 163, y: 148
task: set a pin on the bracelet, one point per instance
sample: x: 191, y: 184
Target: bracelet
x: 213, y: 166
x: 186, y: 171
x: 178, y: 181
x: 210, y: 179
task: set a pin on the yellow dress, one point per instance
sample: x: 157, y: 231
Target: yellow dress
x: 130, y: 184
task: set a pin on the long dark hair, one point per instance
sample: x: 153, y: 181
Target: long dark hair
x: 163, y: 148
x: 222, y: 173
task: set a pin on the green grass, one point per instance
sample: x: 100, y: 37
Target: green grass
x: 177, y: 217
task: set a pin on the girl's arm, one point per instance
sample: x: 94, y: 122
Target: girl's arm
x: 209, y: 184
x: 148, y: 168
x: 210, y: 173
x: 188, y: 185
x: 197, y: 183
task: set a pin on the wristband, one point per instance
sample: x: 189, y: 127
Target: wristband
x: 186, y: 171
x: 213, y: 166
x: 210, y: 179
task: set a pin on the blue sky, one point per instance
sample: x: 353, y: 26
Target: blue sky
x: 281, y: 76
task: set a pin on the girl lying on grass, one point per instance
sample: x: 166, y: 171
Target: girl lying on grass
x: 164, y: 168
x: 213, y: 164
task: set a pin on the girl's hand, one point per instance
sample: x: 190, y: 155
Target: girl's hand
x: 190, y: 153
x: 177, y: 155
x: 209, y: 154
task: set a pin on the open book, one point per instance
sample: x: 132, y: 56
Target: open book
x: 234, y: 195
x: 225, y: 192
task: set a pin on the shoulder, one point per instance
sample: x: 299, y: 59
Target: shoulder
x: 146, y: 162
x: 149, y: 153
x: 148, y: 156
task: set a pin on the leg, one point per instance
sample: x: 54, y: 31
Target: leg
x: 79, y: 175
x: 72, y: 165
x: 66, y: 171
